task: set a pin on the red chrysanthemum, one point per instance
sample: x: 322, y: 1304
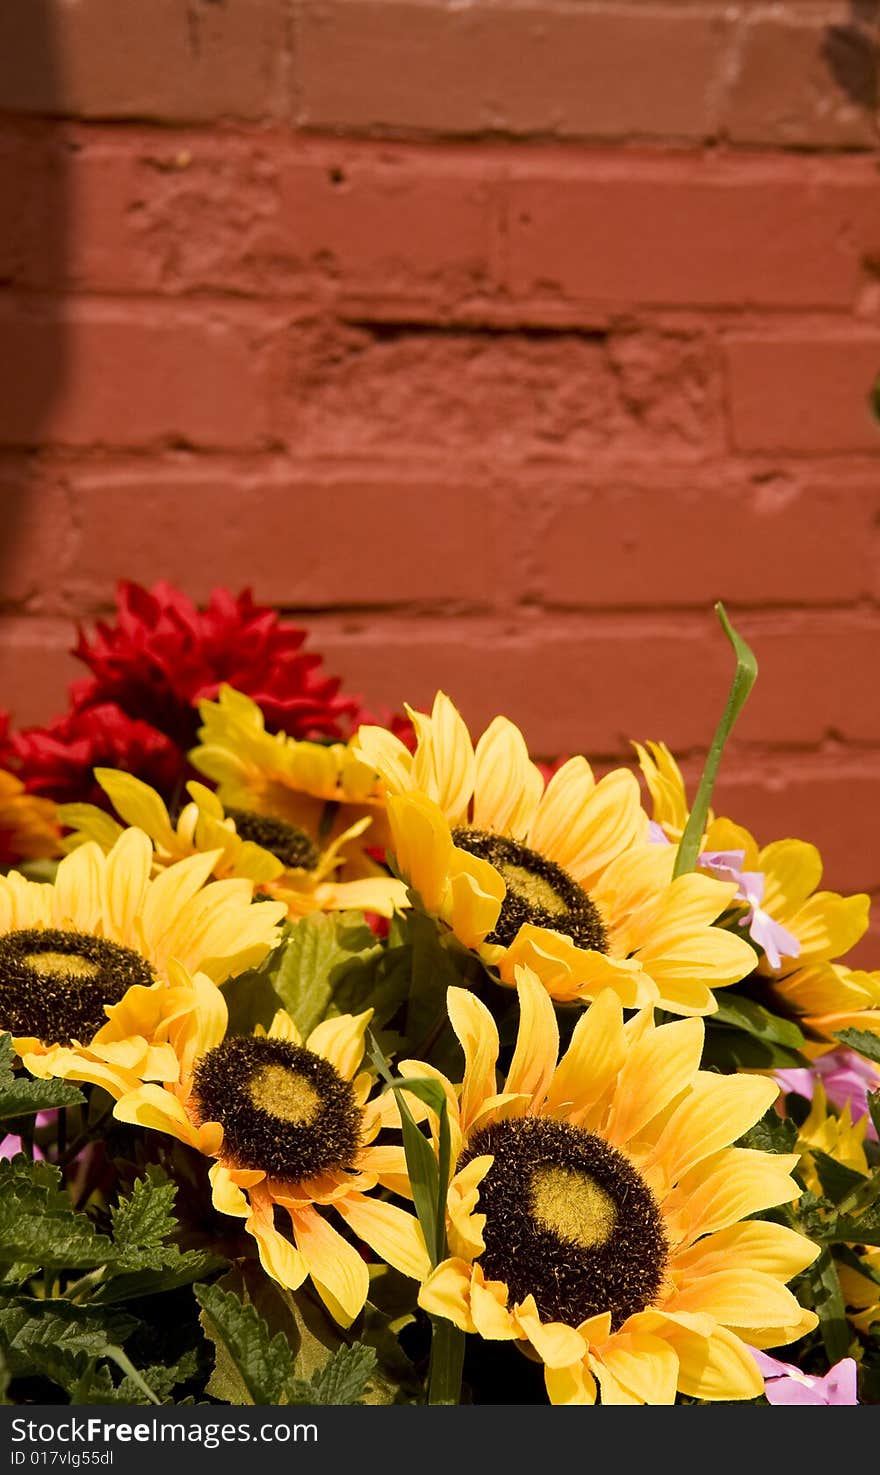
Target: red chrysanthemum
x: 57, y: 761
x: 163, y: 654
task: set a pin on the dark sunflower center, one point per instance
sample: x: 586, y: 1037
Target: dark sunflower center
x: 54, y: 985
x: 284, y: 1110
x: 568, y: 1221
x: 538, y: 892
x: 293, y: 847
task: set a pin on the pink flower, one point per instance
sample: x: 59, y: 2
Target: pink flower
x: 785, y: 1383
x: 847, y: 1078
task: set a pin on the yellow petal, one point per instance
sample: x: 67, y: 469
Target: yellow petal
x: 592, y: 1060
x: 478, y: 1036
x: 507, y: 785
x: 537, y: 1040
x: 717, y: 1367
x: 422, y: 846
x: 447, y: 1293
x: 395, y: 1235
x: 475, y: 894
x: 341, y: 1277
x: 645, y: 1365
x: 279, y: 1258
x: 341, y: 1041
x: 126, y: 881
x: 226, y: 1196
x: 570, y: 1385
x: 443, y: 765
x: 557, y: 1345
x: 756, y: 1244
x: 715, y: 1112
x: 723, y: 1189
x: 658, y: 1067
x: 738, y: 1298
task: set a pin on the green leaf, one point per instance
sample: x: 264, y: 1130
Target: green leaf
x: 38, y: 1223
x: 22, y: 1096
x: 251, y: 1366
x: 344, y: 1379
x: 28, y: 1325
x: 319, y: 951
x: 729, y: 1050
x: 744, y: 678
x: 428, y: 1174
x: 836, y: 1179
x: 754, y: 1019
x: 143, y: 1264
x: 771, y: 1134
x: 862, y: 1040
x: 830, y: 1307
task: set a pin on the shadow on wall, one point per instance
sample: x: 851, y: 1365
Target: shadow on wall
x: 33, y: 253
x: 850, y: 52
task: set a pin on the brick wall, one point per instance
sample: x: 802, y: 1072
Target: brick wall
x: 494, y: 340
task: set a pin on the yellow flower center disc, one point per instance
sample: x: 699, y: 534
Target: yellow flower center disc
x: 572, y: 1205
x: 285, y: 1094
x: 54, y: 985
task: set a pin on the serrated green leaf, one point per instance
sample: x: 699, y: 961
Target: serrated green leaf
x: 836, y: 1179
x: 251, y: 1366
x: 144, y: 1264
x: 772, y: 1134
x: 27, y: 1324
x: 38, y: 1224
x: 318, y: 952
x: 862, y: 1040
x: 23, y: 1096
x: 343, y: 1379
x: 754, y: 1019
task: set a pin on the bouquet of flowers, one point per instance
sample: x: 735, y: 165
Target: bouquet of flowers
x: 353, y: 1058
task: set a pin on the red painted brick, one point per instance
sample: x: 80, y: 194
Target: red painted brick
x: 585, y: 685
x: 495, y: 394
x: 804, y: 391
x: 169, y: 59
x: 815, y: 678
x: 635, y: 546
x: 38, y: 537
x: 832, y: 801
x: 806, y: 77
x: 302, y: 540
x: 391, y: 224
x: 93, y: 373
x: 35, y: 668
x: 555, y: 69
x: 611, y: 230
x: 593, y: 684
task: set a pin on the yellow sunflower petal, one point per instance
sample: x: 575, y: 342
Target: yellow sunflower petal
x: 719, y: 1367
x: 716, y: 1111
x: 341, y: 1041
x: 341, y: 1277
x: 395, y: 1235
x: 443, y: 766
x: 645, y: 1365
x: 447, y: 1293
x: 126, y: 894
x: 226, y: 1196
x: 738, y: 1298
x: 422, y: 845
x: 658, y: 1067
x: 573, y: 1385
x: 537, y: 1042
x: 756, y: 1244
x: 726, y: 1187
x: 592, y: 1060
x: 507, y: 785
x: 279, y: 1258
x: 557, y: 1345
x: 478, y: 1035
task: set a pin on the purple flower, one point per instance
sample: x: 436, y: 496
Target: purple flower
x: 847, y: 1078
x: 785, y: 1383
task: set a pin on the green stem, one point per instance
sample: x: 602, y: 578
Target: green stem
x: 447, y: 1359
x: 743, y: 680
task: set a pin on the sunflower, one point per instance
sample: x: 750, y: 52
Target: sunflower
x: 597, y: 1212
x: 560, y: 878
x: 282, y: 861
x: 291, y: 1127
x: 833, y: 1133
x: 29, y: 829
x: 105, y: 935
x: 799, y: 929
x: 321, y: 788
